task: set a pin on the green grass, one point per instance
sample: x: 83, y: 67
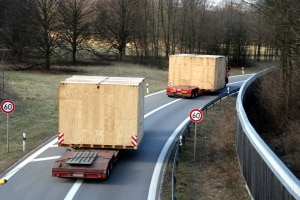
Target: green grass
x: 35, y: 94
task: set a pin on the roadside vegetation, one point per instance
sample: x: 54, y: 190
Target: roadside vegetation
x: 215, y: 172
x: 43, y: 42
x: 35, y: 93
x: 276, y: 118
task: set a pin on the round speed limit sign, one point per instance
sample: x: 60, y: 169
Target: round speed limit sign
x: 196, y: 115
x: 7, y: 106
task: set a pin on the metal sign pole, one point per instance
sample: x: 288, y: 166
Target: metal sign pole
x: 7, y: 135
x: 7, y: 106
x: 195, y: 143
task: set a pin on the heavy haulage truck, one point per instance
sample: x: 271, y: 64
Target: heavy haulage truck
x: 190, y: 75
x: 98, y: 117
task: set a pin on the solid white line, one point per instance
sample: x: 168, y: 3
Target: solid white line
x: 159, y: 163
x: 159, y: 108
x: 149, y: 95
x: 46, y: 158
x: 74, y: 189
x: 235, y: 82
x: 77, y: 184
x: 29, y: 159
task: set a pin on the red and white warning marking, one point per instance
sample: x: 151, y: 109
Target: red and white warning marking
x: 60, y: 138
x: 212, y: 86
x: 170, y: 84
x: 134, y: 140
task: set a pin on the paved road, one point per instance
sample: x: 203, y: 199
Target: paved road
x: 133, y: 174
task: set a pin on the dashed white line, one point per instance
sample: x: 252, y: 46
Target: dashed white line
x: 74, y: 189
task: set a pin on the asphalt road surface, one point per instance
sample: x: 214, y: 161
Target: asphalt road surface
x: 136, y: 176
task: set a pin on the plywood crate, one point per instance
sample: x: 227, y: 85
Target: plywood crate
x: 101, y: 112
x: 205, y: 71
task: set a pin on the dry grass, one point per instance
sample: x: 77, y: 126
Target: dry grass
x: 35, y: 94
x: 215, y: 174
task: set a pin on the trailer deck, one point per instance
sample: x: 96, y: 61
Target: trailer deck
x: 183, y: 91
x: 87, y: 163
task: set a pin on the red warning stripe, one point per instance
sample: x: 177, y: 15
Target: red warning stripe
x: 60, y: 138
x: 134, y: 140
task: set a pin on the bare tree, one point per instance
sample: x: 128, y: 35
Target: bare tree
x: 166, y: 8
x: 283, y: 17
x: 44, y: 27
x: 75, y: 18
x: 116, y: 22
x: 154, y: 31
x: 15, y: 16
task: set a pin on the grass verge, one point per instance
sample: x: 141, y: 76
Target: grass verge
x: 35, y: 94
x: 215, y: 173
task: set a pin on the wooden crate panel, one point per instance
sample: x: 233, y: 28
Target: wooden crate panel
x: 101, y: 111
x: 203, y: 71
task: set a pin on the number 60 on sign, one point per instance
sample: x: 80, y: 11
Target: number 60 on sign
x: 196, y: 115
x: 7, y: 106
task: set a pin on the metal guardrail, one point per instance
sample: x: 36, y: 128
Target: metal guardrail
x: 179, y: 141
x: 265, y: 175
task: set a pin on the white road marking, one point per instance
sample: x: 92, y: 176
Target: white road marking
x: 46, y: 158
x: 159, y: 108
x: 77, y: 184
x: 74, y: 189
x: 29, y: 159
x: 154, y: 93
x: 160, y: 161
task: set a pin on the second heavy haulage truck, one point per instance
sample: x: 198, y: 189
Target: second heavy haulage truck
x: 190, y: 75
x: 98, y: 117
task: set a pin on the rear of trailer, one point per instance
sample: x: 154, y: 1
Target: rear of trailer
x: 98, y: 117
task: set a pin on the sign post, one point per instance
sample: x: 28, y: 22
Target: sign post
x: 7, y: 106
x: 196, y: 115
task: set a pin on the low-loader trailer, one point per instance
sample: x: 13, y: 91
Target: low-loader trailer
x: 190, y: 75
x: 98, y: 117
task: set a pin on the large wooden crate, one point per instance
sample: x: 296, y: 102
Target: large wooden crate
x: 101, y: 112
x: 205, y: 71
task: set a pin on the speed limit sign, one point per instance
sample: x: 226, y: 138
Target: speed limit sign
x: 196, y: 115
x: 7, y: 106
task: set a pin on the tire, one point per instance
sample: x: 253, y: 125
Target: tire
x: 194, y: 94
x: 109, y: 170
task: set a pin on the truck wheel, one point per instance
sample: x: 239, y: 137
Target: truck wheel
x: 194, y: 94
x: 109, y: 170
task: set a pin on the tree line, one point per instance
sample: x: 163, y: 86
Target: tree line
x: 149, y: 30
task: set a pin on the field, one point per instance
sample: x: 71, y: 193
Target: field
x: 35, y: 94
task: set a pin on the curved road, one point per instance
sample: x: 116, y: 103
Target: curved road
x: 133, y: 174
